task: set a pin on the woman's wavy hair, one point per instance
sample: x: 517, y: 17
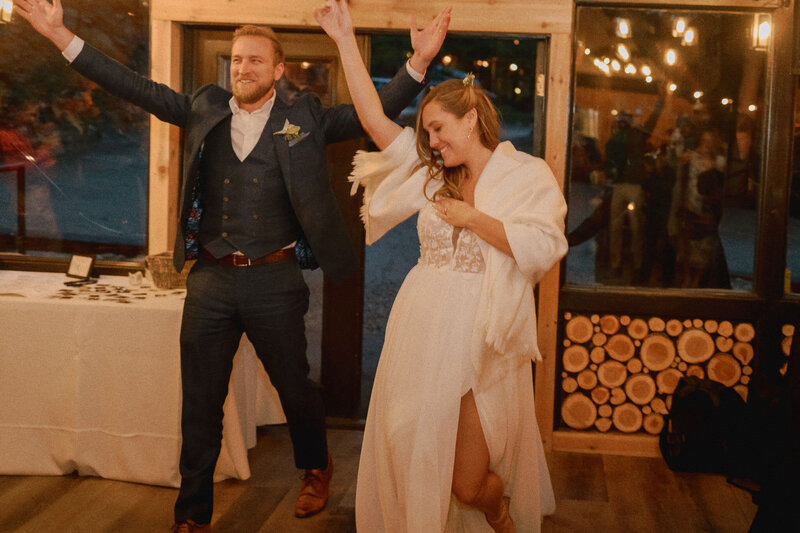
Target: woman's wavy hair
x: 457, y: 98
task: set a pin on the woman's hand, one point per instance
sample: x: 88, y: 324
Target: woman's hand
x: 426, y: 43
x: 334, y: 17
x: 457, y: 213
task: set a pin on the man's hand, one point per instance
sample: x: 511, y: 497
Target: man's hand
x: 47, y: 19
x: 334, y: 17
x: 426, y: 43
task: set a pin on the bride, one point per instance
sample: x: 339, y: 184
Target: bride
x: 451, y: 441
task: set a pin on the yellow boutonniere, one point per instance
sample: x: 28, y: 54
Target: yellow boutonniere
x: 289, y: 131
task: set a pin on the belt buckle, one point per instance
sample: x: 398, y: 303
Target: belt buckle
x: 245, y: 261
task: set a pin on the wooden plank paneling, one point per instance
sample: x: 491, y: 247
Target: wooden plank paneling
x: 523, y: 16
x: 164, y: 140
x: 761, y: 4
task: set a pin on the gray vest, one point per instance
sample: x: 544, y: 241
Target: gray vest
x: 245, y: 203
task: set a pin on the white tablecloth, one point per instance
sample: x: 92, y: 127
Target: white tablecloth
x: 90, y: 381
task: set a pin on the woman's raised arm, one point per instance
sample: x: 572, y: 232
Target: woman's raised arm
x: 334, y: 17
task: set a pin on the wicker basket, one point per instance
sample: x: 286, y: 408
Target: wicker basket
x: 163, y: 273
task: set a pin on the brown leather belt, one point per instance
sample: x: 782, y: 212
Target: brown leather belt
x: 240, y: 260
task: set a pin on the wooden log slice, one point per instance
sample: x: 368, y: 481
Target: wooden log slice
x: 743, y: 352
x: 637, y: 329
x: 659, y: 406
x: 667, y: 380
x: 696, y: 371
x: 747, y: 370
x: 624, y: 320
x: 786, y: 346
x: 617, y: 396
x: 687, y: 323
x: 627, y: 418
x: 575, y: 358
x: 647, y: 409
x: 579, y: 329
x: 653, y: 423
x: 695, y: 346
x: 742, y: 390
x: 578, y: 411
x: 725, y: 369
x: 599, y: 339
x: 744, y: 380
x: 609, y: 324
x: 587, y: 379
x: 744, y: 332
x: 674, y: 327
x: 620, y: 347
x: 603, y: 424
x: 597, y: 355
x: 697, y: 323
x: 657, y: 352
x: 640, y: 389
x: 656, y: 324
x: 612, y: 374
x: 711, y: 326
x: 595, y: 318
x: 725, y: 328
x: 787, y: 330
x: 569, y: 384
x: 634, y: 365
x: 600, y: 395
x: 605, y: 410
x: 724, y: 344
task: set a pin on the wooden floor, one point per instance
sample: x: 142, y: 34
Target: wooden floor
x: 594, y: 493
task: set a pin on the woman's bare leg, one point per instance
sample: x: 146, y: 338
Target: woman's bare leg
x: 473, y: 483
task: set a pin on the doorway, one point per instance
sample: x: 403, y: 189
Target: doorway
x: 333, y: 322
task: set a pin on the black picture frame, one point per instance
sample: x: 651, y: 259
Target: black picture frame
x: 80, y: 266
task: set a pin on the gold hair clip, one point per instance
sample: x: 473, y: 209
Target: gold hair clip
x: 469, y: 79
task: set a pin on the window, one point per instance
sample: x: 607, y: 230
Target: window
x: 73, y: 158
x: 665, y: 159
x: 792, y: 279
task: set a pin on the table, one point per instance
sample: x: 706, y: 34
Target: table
x: 90, y: 381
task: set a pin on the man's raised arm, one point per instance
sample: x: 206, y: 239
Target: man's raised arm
x: 47, y: 19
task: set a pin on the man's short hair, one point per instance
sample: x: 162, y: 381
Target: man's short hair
x: 261, y: 31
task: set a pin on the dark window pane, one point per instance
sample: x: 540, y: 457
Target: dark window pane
x: 84, y: 152
x: 665, y: 154
x: 793, y: 230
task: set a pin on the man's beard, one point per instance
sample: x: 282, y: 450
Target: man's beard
x: 251, y: 92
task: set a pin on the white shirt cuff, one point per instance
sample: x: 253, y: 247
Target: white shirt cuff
x: 413, y: 73
x: 74, y: 48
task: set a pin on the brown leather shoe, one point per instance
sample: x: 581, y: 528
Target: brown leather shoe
x: 190, y: 526
x: 314, y: 494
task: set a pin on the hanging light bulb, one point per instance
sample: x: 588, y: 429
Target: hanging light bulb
x: 689, y: 37
x: 622, y: 52
x: 679, y: 27
x: 623, y: 28
x: 671, y: 57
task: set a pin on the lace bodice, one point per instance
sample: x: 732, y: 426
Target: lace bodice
x: 443, y: 246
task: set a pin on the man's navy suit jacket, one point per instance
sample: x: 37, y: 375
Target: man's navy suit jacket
x: 303, y: 164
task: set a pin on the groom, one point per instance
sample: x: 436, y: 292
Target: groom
x: 255, y: 184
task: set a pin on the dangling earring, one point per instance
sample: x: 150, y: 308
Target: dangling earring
x: 469, y: 135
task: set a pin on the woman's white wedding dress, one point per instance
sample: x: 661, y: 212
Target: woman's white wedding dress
x: 406, y: 468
